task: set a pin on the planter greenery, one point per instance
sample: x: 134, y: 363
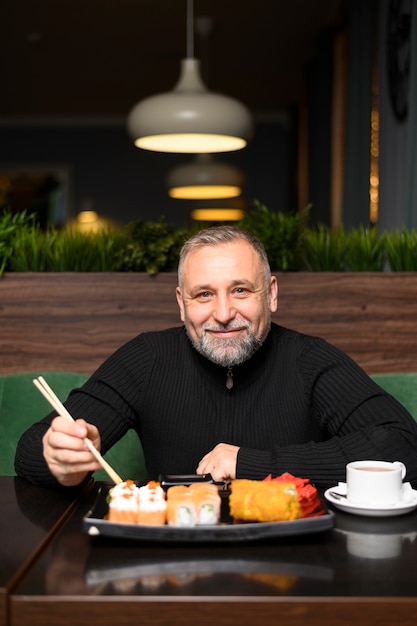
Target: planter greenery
x: 282, y: 234
x: 359, y: 250
x: 10, y: 225
x: 365, y: 250
x: 325, y: 249
x: 35, y: 250
x: 401, y: 249
x: 152, y: 247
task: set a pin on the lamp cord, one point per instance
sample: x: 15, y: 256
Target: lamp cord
x: 190, y: 29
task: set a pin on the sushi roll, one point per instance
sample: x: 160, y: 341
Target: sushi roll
x: 207, y: 503
x: 181, y: 509
x: 152, y: 504
x: 124, y: 502
x: 263, y: 501
x: 198, y: 504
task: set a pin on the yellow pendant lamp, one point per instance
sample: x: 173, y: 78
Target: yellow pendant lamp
x: 219, y: 210
x: 205, y: 178
x: 190, y: 118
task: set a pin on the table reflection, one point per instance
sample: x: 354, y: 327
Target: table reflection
x: 182, y: 575
x: 377, y: 538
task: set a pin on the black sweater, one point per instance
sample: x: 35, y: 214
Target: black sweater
x: 298, y: 405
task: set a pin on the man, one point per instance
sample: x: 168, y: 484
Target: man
x: 229, y: 394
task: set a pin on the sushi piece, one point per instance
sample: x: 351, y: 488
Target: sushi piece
x: 181, y: 509
x: 207, y: 503
x: 124, y: 502
x: 198, y: 504
x: 152, y: 504
x: 263, y: 501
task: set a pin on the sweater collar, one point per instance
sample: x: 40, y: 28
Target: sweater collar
x: 240, y: 375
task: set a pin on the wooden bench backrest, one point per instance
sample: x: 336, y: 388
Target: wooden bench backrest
x: 73, y: 321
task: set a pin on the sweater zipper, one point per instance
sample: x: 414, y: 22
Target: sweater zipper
x: 229, y: 378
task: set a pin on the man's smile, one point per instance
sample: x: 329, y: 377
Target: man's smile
x: 228, y: 333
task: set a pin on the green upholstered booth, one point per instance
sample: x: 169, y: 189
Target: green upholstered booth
x: 403, y: 386
x: 21, y: 404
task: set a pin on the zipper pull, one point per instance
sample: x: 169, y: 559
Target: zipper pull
x: 229, y: 378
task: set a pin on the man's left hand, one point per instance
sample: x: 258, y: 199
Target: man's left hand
x: 220, y: 462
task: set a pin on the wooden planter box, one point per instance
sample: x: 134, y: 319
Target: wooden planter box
x: 73, y: 321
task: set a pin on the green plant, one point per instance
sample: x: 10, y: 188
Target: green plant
x: 10, y: 226
x: 325, y: 249
x: 282, y: 234
x: 32, y: 249
x: 365, y: 250
x: 63, y: 250
x: 401, y: 247
x: 142, y: 246
x: 85, y: 252
x: 150, y: 247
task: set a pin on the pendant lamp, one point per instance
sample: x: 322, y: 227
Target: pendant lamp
x: 217, y: 215
x: 219, y: 211
x: 190, y: 118
x: 205, y: 178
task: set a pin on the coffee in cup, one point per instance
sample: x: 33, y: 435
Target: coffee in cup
x: 374, y: 483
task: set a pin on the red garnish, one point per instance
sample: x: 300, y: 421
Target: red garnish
x: 307, y: 494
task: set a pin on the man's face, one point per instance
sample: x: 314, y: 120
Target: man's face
x: 224, y: 301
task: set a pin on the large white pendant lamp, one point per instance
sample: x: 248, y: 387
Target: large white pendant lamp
x: 190, y: 118
x: 205, y: 178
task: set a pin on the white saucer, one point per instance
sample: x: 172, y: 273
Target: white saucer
x: 407, y: 503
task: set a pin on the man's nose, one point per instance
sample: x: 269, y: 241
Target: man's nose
x: 224, y: 309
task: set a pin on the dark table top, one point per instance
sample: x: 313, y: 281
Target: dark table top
x: 29, y: 516
x: 363, y: 571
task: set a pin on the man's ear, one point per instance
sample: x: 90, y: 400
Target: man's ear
x: 180, y: 303
x: 273, y: 294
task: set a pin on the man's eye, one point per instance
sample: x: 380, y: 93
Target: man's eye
x: 204, y: 295
x: 239, y: 290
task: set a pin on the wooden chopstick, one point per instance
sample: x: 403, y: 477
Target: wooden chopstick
x: 41, y: 384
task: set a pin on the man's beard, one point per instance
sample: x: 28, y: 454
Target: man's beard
x: 230, y: 351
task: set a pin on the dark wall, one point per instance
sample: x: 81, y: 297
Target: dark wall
x: 122, y: 182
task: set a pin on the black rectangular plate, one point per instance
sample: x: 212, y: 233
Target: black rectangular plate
x: 226, y: 531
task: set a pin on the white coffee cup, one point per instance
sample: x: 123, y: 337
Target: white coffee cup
x: 374, y: 483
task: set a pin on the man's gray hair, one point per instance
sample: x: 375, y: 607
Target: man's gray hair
x: 217, y: 235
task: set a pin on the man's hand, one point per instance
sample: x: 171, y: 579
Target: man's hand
x: 220, y: 462
x: 66, y: 453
